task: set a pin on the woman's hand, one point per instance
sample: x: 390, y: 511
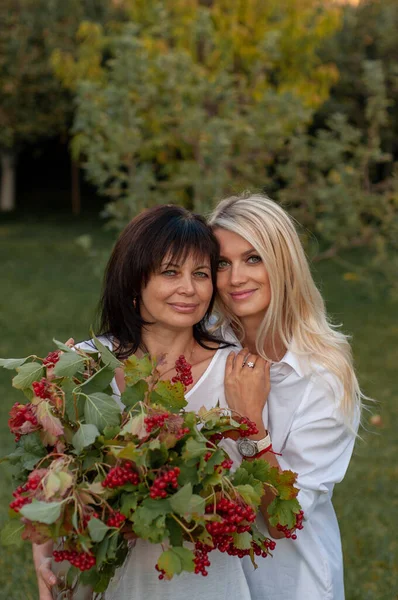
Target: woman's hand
x: 46, y: 579
x: 247, y: 388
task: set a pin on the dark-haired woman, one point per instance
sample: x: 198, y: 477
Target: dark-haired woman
x: 158, y: 294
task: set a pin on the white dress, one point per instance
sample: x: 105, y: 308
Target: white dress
x: 137, y: 579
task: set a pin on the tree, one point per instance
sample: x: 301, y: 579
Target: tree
x: 33, y: 103
x: 195, y: 98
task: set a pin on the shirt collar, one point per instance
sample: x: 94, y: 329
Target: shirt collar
x: 292, y: 360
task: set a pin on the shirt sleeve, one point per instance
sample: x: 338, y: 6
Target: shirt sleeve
x: 320, y: 443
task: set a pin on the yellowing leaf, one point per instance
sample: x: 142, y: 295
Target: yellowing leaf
x: 48, y: 420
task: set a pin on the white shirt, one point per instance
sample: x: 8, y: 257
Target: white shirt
x: 307, y: 428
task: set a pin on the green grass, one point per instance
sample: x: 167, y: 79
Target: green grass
x: 49, y: 289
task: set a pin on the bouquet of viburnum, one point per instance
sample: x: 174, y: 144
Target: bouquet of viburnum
x: 88, y: 471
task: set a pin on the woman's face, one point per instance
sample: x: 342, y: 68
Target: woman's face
x: 242, y: 279
x: 178, y: 295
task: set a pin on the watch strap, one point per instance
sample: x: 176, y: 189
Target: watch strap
x: 264, y: 443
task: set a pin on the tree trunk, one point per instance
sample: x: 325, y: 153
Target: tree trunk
x: 7, y: 198
x: 76, y: 203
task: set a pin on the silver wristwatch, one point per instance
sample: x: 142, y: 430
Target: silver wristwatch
x: 249, y: 448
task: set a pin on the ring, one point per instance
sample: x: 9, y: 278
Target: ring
x: 250, y: 364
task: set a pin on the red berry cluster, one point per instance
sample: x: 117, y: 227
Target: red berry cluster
x: 251, y: 427
x: 86, y: 519
x: 163, y: 481
x: 266, y: 546
x: 19, y: 502
x: 19, y: 415
x: 116, y: 519
x: 155, y: 421
x: 235, y: 518
x: 82, y: 560
x: 51, y: 359
x: 30, y: 486
x: 183, y: 370
x: 227, y: 464
x: 42, y: 388
x: 216, y: 437
x: 201, y: 559
x: 290, y: 533
x: 120, y: 475
x: 181, y: 432
x: 161, y: 572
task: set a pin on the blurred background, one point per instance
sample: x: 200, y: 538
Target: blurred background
x: 110, y: 106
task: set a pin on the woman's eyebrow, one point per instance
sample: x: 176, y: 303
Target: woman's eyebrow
x: 250, y: 251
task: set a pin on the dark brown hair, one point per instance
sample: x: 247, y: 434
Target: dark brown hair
x: 163, y: 230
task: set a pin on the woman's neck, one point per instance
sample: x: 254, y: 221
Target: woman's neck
x: 160, y: 341
x: 274, y: 349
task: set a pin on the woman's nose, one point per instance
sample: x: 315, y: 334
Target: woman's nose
x: 186, y: 285
x: 238, y: 275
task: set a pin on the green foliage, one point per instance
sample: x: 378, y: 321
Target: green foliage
x: 340, y: 179
x: 215, y: 93
x: 34, y: 104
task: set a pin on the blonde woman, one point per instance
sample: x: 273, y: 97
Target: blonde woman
x: 307, y: 404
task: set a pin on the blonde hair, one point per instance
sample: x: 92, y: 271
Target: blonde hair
x: 296, y: 314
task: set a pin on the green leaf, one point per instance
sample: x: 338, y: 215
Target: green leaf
x: 11, y: 533
x: 283, y: 512
x: 27, y: 374
x: 44, y: 512
x: 155, y: 531
x: 170, y: 395
x: 97, y: 382
x: 12, y: 363
x: 249, y: 494
x: 175, y: 532
x: 107, y: 357
x: 136, y: 369
x: 101, y: 552
x: 180, y: 500
x: 185, y: 503
x: 29, y: 451
x: 101, y: 410
x: 62, y: 346
x: 84, y: 436
x: 111, y: 431
x: 260, y: 469
x: 242, y: 540
x: 193, y: 450
x: 69, y: 364
x: 134, y: 393
x: 186, y: 557
x: 150, y: 519
x: 128, y: 504
x: 97, y: 529
x: 188, y: 474
x: 170, y: 562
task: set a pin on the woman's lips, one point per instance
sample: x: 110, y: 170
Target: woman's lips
x: 237, y: 296
x: 184, y: 308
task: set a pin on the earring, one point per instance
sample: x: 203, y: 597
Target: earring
x: 135, y: 302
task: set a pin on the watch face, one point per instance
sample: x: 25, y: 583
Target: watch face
x: 246, y: 447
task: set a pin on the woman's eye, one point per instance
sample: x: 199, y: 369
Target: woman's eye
x: 252, y: 260
x: 202, y: 275
x: 222, y: 264
x: 169, y: 272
